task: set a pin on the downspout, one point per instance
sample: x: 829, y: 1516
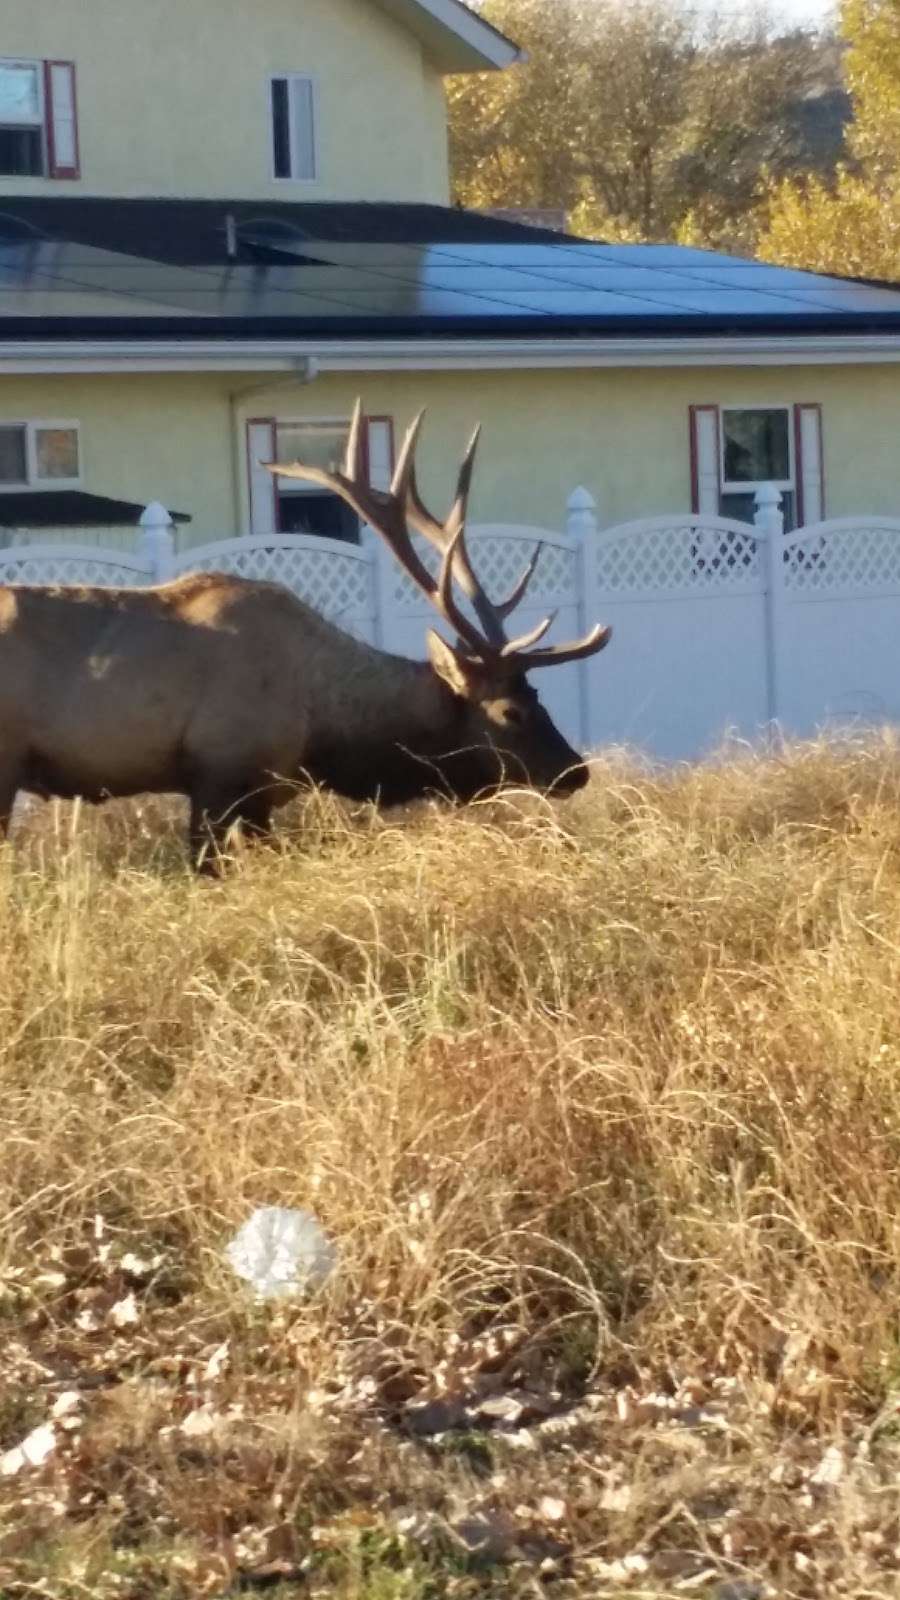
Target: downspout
x: 306, y: 371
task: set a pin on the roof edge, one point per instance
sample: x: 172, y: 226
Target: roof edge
x: 455, y: 36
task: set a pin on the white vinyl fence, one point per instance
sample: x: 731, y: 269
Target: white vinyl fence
x: 719, y: 626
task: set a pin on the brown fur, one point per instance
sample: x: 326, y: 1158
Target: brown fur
x: 230, y: 691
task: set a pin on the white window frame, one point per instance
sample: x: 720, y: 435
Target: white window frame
x: 301, y: 485
x: 299, y: 488
x: 747, y: 486
x: 312, y: 79
x: 41, y: 124
x: 33, y: 426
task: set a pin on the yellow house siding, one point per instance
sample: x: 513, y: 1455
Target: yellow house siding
x: 435, y: 152
x: 144, y: 438
x: 173, y: 97
x: 623, y: 434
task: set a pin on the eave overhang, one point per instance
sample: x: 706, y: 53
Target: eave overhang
x: 452, y: 36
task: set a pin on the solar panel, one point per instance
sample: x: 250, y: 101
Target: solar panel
x: 309, y: 283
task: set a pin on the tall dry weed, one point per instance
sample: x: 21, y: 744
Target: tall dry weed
x: 621, y: 1075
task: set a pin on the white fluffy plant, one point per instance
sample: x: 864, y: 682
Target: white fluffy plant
x: 281, y: 1252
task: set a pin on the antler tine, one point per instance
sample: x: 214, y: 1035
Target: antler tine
x: 517, y: 647
x: 404, y: 490
x: 505, y: 607
x: 556, y: 655
x: 390, y: 515
x: 403, y: 483
x: 354, y: 455
x: 446, y: 603
x: 439, y: 533
x: 487, y: 613
x: 383, y: 512
x: 460, y: 509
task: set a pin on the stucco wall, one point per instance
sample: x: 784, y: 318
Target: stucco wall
x: 173, y: 96
x: 624, y: 434
x: 144, y: 438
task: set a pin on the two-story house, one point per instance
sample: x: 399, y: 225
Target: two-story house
x: 219, y: 222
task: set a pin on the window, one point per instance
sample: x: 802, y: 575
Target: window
x: 736, y: 449
x: 756, y: 449
x: 39, y: 455
x: 294, y: 144
x: 303, y: 507
x: 38, y: 120
x: 288, y: 505
x: 21, y: 119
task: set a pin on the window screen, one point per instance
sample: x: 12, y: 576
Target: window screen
x: 56, y: 453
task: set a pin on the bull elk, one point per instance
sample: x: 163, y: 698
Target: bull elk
x: 232, y: 691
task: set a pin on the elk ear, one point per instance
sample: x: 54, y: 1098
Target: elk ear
x: 451, y: 666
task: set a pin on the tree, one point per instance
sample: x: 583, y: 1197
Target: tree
x: 763, y: 108
x: 637, y: 119
x: 511, y: 133
x: 852, y: 226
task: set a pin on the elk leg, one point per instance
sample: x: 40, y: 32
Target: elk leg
x: 9, y: 784
x: 214, y: 810
x: 255, y: 816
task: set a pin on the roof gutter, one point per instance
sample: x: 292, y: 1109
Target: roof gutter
x: 301, y: 357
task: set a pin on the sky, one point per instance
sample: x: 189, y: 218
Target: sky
x: 802, y: 12
x: 798, y: 11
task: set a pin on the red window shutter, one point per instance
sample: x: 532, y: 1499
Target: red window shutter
x: 809, y: 463
x: 61, y: 115
x: 261, y: 484
x: 704, y: 436
x: 380, y: 451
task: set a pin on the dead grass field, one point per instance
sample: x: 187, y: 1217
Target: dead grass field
x: 601, y: 1106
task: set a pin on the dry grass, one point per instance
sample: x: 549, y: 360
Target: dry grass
x: 600, y: 1105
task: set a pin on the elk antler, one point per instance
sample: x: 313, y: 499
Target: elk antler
x: 392, y: 512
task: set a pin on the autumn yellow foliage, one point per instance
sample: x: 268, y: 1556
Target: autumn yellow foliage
x: 851, y: 227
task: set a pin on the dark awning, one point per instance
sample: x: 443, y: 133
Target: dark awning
x: 69, y: 508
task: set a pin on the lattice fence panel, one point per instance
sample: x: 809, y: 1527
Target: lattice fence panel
x: 331, y: 583
x: 861, y: 559
x: 20, y: 566
x: 499, y: 563
x: 680, y: 557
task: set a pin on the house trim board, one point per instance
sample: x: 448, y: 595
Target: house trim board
x: 309, y: 357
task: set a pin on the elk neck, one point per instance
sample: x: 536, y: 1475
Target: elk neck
x: 392, y: 732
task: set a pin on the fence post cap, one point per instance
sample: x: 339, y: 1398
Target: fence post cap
x: 768, y: 495
x: 581, y: 499
x: 155, y: 515
x: 581, y: 513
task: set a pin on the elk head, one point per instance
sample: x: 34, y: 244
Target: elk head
x: 499, y: 724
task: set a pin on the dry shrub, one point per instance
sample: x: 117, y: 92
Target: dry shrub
x: 622, y: 1075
